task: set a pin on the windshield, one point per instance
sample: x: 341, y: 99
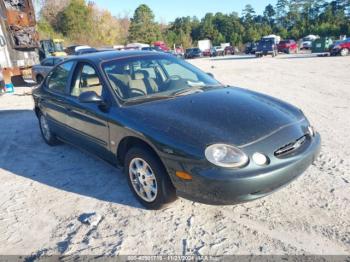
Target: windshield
x: 150, y: 76
x: 58, y: 47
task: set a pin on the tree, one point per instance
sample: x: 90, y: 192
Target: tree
x: 248, y: 14
x: 269, y: 14
x: 143, y: 28
x: 75, y: 21
x: 281, y: 12
x: 50, y: 10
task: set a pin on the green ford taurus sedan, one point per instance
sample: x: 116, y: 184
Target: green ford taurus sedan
x: 175, y: 130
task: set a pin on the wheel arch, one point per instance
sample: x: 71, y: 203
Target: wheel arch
x: 39, y: 75
x: 132, y: 141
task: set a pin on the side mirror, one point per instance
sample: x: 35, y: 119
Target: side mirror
x: 211, y: 75
x: 90, y: 97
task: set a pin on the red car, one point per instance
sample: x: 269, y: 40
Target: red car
x: 341, y: 48
x: 288, y: 47
x: 161, y: 45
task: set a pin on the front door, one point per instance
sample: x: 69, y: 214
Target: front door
x: 88, y: 122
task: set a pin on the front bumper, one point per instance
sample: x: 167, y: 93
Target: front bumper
x: 225, y: 187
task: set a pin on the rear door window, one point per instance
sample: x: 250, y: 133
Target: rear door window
x: 58, y: 78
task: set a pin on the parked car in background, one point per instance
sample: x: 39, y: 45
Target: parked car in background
x: 229, y: 50
x: 71, y: 50
x: 152, y: 48
x: 176, y: 54
x: 161, y: 45
x: 250, y: 48
x: 341, y: 48
x: 174, y: 129
x: 322, y: 46
x: 40, y: 71
x: 266, y: 46
x: 306, y: 43
x: 220, y: 51
x: 136, y: 46
x: 276, y: 38
x: 85, y: 51
x: 210, y: 52
x: 288, y: 46
x: 193, y: 53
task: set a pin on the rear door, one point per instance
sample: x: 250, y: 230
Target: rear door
x: 54, y: 101
x: 88, y: 122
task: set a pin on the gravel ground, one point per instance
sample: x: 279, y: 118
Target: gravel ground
x: 62, y: 201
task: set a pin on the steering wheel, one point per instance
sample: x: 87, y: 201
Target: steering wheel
x: 137, y: 91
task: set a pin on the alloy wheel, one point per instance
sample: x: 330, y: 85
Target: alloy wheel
x: 45, y: 128
x: 143, y: 179
x: 344, y: 52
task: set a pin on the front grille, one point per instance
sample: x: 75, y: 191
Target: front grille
x: 291, y: 147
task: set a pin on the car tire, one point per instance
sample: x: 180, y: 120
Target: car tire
x: 46, y: 133
x: 148, y: 179
x: 39, y: 79
x: 344, y: 52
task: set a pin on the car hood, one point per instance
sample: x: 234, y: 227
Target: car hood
x: 225, y: 115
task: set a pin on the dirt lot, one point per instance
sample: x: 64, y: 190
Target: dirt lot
x: 62, y: 201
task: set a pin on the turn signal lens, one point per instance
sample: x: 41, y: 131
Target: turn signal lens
x: 260, y: 159
x: 183, y: 175
x: 311, y: 130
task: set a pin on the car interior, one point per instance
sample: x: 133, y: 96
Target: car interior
x: 86, y: 80
x: 143, y: 78
x: 131, y: 80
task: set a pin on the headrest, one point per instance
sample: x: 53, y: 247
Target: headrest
x: 139, y: 76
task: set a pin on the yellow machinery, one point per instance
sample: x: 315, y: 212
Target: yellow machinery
x: 51, y: 47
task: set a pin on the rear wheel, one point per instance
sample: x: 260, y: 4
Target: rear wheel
x: 344, y: 52
x: 148, y: 179
x: 46, y: 133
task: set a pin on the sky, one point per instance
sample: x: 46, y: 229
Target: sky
x: 168, y: 10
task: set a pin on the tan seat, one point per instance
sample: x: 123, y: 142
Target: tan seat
x: 142, y: 82
x: 120, y: 82
x: 91, y: 83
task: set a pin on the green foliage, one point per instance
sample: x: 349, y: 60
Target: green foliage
x: 84, y: 23
x: 143, y: 28
x: 76, y: 20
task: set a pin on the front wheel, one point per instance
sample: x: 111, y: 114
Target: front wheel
x: 148, y: 179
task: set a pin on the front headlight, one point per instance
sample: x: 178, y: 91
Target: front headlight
x: 226, y: 156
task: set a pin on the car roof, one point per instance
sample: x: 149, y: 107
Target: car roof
x: 103, y: 56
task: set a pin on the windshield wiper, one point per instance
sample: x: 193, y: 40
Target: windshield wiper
x: 193, y: 90
x: 147, y: 99
x: 187, y: 91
